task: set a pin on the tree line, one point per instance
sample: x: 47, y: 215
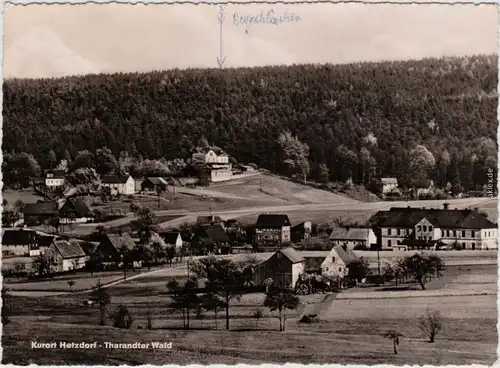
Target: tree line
x: 354, y: 121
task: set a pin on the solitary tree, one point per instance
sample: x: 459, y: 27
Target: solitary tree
x: 394, y: 335
x: 184, y: 298
x: 295, y: 154
x: 280, y: 300
x: 423, y: 267
x: 102, y: 298
x: 430, y: 324
x: 71, y: 283
x: 212, y: 302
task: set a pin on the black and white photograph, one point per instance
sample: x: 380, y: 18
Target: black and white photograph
x: 220, y: 183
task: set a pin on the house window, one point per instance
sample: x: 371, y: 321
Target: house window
x: 430, y: 228
x: 389, y: 243
x: 425, y: 228
x: 340, y: 269
x: 473, y: 246
x: 388, y: 231
x: 463, y: 233
x: 473, y: 234
x: 399, y: 232
x: 454, y: 233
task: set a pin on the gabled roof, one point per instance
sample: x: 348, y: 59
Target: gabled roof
x: 155, y: 181
x: 19, y: 237
x: 42, y: 208
x: 214, y: 233
x: 387, y: 181
x: 272, y: 221
x: 80, y: 206
x: 69, y: 250
x: 292, y: 255
x: 401, y: 217
x: 170, y: 237
x: 346, y: 256
x: 121, y: 241
x: 232, y: 223
x: 352, y: 233
x: 56, y: 172
x: 421, y: 183
x: 115, y: 179
x: 88, y: 247
x: 46, y: 240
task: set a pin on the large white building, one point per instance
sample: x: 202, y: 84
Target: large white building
x: 216, y: 160
x: 123, y: 184
x: 423, y: 228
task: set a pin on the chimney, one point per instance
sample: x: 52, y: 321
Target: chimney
x: 446, y: 205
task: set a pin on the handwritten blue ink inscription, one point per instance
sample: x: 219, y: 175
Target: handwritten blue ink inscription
x: 265, y: 18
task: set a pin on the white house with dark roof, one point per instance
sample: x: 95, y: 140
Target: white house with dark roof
x: 55, y: 178
x: 123, y: 184
x: 336, y: 263
x: 389, y: 185
x: 66, y: 256
x: 424, y: 228
x: 283, y: 267
x: 352, y: 237
x: 217, y: 161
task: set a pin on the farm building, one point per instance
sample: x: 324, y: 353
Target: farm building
x: 272, y: 229
x: 38, y: 213
x: 216, y: 162
x: 123, y: 184
x: 389, y: 185
x: 75, y: 210
x: 66, y: 256
x: 462, y: 228
x: 154, y: 184
x: 215, y: 236
x: 301, y: 232
x: 55, y: 178
x: 111, y: 247
x: 352, y: 237
x: 20, y: 242
x: 284, y: 268
x: 172, y: 238
x: 336, y: 263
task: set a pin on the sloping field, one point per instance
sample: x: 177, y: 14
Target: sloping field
x: 271, y: 189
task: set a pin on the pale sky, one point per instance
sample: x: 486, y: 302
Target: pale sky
x: 58, y: 40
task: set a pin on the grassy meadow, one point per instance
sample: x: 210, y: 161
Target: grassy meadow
x: 349, y: 330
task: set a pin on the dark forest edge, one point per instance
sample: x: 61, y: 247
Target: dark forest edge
x: 428, y: 119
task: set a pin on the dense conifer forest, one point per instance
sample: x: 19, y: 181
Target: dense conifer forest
x: 360, y: 120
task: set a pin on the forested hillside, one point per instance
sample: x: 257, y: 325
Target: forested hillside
x: 366, y: 120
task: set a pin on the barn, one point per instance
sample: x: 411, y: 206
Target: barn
x: 284, y: 268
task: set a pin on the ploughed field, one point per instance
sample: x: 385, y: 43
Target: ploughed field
x: 349, y: 329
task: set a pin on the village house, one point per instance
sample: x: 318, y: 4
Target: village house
x: 123, y: 184
x: 154, y: 184
x: 55, y: 178
x: 335, y: 266
x: 66, y: 256
x: 75, y: 210
x: 45, y: 241
x: 352, y: 237
x: 172, y: 238
x: 422, y: 186
x: 301, y: 232
x: 216, y: 236
x: 461, y: 228
x: 112, y: 246
x: 389, y: 185
x: 272, y: 229
x: 20, y: 242
x: 283, y: 267
x: 215, y: 160
x: 38, y: 213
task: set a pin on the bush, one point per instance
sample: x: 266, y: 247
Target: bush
x: 122, y: 317
x: 309, y: 318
